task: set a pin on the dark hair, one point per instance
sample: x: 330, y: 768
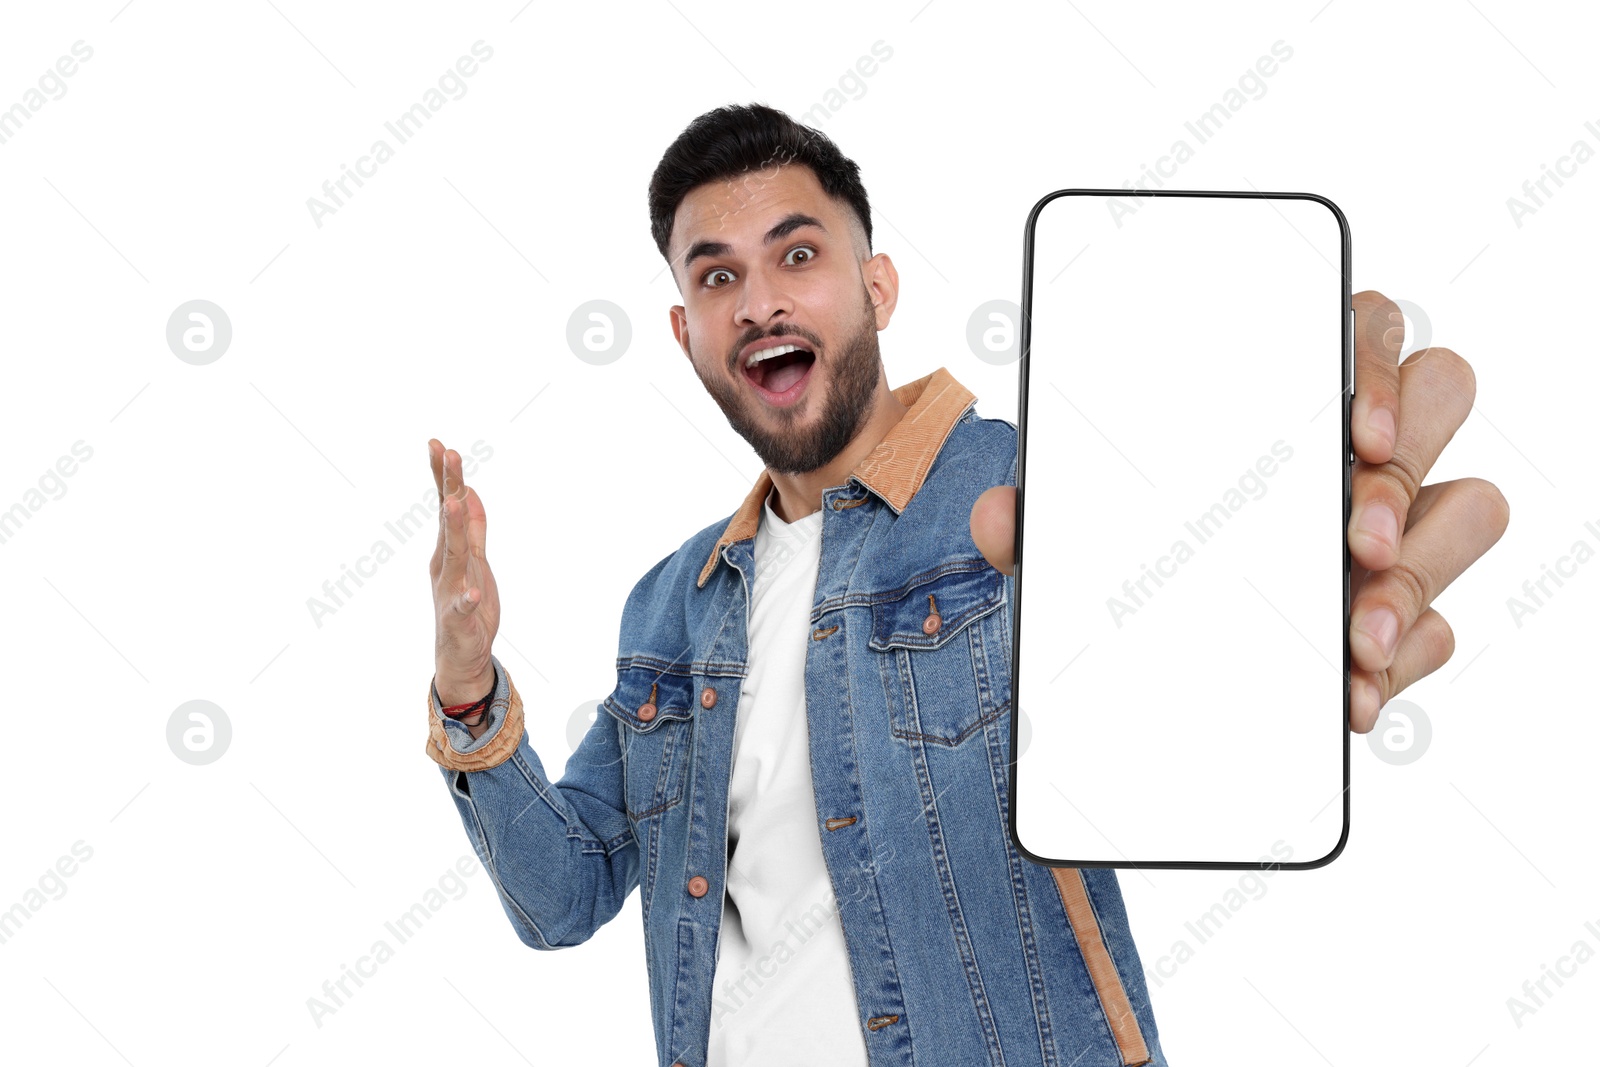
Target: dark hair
x: 728, y: 142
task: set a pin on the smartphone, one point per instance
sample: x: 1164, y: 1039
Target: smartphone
x: 1180, y: 658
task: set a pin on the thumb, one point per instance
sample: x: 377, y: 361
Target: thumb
x: 994, y: 526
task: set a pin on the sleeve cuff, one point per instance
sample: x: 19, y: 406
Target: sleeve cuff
x: 451, y: 744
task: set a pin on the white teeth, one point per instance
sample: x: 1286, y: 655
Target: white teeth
x: 768, y: 353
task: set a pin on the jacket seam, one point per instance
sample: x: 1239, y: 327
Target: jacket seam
x: 1017, y: 868
x: 576, y: 828
x: 491, y: 864
x: 957, y: 918
x: 952, y: 624
x: 715, y: 668
x: 850, y: 600
x: 1099, y: 926
x: 889, y: 958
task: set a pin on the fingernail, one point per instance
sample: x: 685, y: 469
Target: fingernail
x: 1378, y: 521
x: 1381, y: 422
x: 1382, y: 628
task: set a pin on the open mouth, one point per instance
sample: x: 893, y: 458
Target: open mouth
x: 781, y: 378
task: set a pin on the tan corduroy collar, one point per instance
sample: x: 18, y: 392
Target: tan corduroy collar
x: 894, y: 469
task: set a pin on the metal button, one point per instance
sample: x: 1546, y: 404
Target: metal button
x: 930, y: 625
x: 698, y: 886
x: 647, y: 712
x: 708, y: 697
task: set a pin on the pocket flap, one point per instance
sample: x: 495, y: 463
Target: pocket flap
x: 960, y: 592
x: 673, y: 697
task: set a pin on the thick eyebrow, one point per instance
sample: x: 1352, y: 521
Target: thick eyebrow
x: 784, y: 227
x: 702, y: 249
x: 790, y: 223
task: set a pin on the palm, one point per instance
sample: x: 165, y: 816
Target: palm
x: 465, y: 598
x: 476, y: 631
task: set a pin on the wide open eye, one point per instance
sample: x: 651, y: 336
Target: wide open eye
x: 808, y: 252
x: 706, y: 281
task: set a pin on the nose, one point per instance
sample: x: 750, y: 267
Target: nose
x: 766, y: 299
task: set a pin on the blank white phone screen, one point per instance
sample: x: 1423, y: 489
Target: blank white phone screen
x: 1181, y: 661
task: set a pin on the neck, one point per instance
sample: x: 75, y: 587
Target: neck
x: 798, y: 495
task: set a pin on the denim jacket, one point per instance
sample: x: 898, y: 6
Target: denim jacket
x: 961, y: 952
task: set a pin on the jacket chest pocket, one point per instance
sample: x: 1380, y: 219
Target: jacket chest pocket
x: 940, y: 647
x: 658, y: 719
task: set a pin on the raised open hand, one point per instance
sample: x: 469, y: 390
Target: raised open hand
x: 466, y: 603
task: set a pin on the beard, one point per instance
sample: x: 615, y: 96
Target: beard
x: 794, y: 448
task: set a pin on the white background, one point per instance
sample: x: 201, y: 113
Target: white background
x: 179, y: 562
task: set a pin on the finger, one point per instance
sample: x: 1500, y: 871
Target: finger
x: 453, y: 518
x: 1437, y: 389
x: 1419, y: 507
x: 994, y: 526
x: 1375, y: 408
x: 1466, y: 518
x: 477, y: 523
x: 1425, y: 498
x: 452, y: 473
x: 466, y: 601
x: 1424, y: 650
x: 436, y: 462
x: 439, y: 460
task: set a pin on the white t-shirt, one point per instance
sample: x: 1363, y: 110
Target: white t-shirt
x: 782, y: 987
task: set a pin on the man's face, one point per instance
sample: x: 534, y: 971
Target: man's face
x: 769, y: 258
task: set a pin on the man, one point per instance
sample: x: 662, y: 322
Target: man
x: 803, y: 765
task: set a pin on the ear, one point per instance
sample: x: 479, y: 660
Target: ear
x: 883, y: 286
x: 680, y: 329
